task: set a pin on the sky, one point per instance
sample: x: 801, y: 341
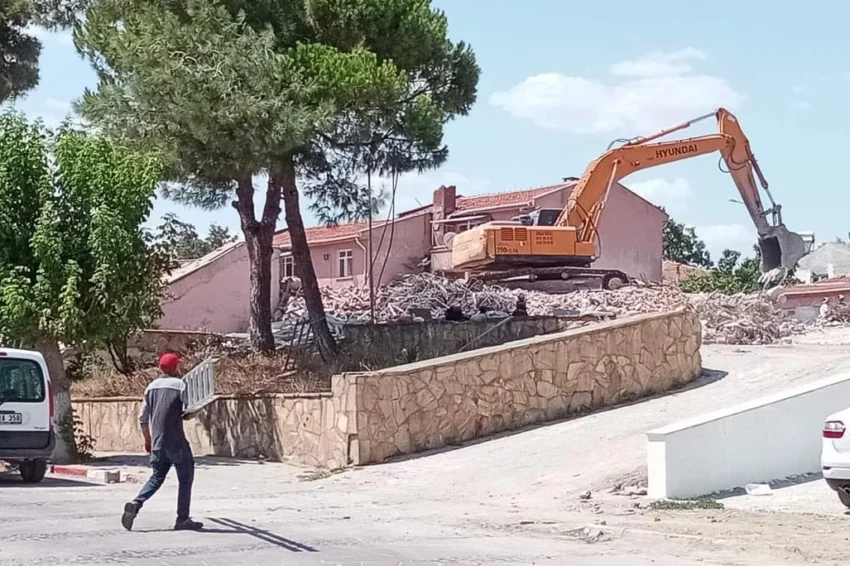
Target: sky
x: 562, y: 80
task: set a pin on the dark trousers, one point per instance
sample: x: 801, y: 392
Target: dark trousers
x: 161, y: 462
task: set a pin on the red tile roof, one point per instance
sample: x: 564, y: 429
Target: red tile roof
x: 504, y: 199
x: 322, y: 233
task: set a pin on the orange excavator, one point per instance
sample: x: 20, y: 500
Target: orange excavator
x: 549, y: 244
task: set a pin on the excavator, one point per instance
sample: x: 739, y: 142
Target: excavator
x: 553, y: 244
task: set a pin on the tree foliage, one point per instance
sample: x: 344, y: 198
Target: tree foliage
x: 182, y: 242
x: 731, y: 276
x: 682, y: 245
x: 75, y: 266
x: 19, y: 51
x: 317, y: 90
x: 343, y: 200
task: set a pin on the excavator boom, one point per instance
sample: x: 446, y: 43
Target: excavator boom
x: 571, y: 239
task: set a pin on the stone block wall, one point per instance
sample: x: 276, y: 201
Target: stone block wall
x: 456, y: 398
x: 303, y: 427
x: 371, y: 416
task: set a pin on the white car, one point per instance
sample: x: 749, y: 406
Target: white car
x: 26, y: 413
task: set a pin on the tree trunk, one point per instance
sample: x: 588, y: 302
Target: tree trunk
x: 285, y: 178
x: 258, y: 240
x: 63, y: 417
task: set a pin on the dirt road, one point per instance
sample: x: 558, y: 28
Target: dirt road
x: 514, y: 499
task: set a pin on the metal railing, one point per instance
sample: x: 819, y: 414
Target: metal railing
x: 200, y: 383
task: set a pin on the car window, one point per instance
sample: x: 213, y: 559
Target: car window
x: 21, y: 381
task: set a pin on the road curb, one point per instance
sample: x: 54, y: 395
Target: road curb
x: 99, y: 476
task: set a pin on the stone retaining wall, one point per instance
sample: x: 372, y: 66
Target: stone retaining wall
x: 370, y: 416
x: 297, y: 426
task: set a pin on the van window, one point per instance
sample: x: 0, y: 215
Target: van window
x: 21, y: 381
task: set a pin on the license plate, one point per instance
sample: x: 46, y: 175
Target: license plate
x: 11, y: 418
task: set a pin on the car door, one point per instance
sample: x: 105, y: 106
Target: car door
x: 24, y: 402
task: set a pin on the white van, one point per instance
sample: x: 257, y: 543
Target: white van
x: 26, y: 413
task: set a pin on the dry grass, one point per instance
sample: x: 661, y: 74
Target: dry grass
x: 235, y: 374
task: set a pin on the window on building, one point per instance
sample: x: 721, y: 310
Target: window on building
x: 288, y: 266
x: 346, y: 258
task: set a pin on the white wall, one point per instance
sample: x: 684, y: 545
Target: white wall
x: 770, y: 438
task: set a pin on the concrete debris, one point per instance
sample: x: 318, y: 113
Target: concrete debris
x: 727, y: 319
x: 758, y: 489
x: 630, y: 491
x: 590, y: 534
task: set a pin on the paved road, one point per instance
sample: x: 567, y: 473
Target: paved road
x: 262, y: 514
x: 509, y: 500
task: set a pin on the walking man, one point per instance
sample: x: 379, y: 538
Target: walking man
x: 161, y: 419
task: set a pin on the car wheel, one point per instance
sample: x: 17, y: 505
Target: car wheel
x: 844, y: 497
x: 33, y: 471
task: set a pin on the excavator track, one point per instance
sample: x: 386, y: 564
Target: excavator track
x: 612, y: 279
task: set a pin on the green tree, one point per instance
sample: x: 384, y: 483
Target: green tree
x: 729, y: 278
x: 75, y: 267
x: 219, y: 236
x: 681, y: 244
x: 728, y: 261
x: 243, y: 87
x: 181, y: 240
x: 345, y: 201
x: 19, y: 51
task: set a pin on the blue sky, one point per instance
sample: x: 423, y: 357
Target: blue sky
x: 559, y: 82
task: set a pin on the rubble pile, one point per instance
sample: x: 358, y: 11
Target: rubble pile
x: 727, y: 319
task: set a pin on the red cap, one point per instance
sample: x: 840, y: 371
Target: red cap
x: 169, y: 362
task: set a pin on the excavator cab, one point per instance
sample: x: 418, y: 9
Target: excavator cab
x: 539, y: 217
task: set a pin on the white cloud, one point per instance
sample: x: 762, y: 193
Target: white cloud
x: 801, y: 104
x: 719, y: 237
x: 648, y: 93
x: 672, y: 195
x: 800, y: 88
x: 659, y: 64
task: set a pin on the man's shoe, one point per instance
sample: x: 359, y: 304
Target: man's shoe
x: 188, y: 525
x: 131, y: 509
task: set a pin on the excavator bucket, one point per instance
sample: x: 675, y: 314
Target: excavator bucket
x: 780, y: 249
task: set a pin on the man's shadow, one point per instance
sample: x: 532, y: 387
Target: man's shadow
x: 235, y: 527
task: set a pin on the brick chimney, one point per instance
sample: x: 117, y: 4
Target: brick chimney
x: 444, y: 202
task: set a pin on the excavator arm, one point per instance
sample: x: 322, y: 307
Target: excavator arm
x: 780, y: 248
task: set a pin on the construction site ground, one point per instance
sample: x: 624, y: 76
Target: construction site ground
x: 518, y: 499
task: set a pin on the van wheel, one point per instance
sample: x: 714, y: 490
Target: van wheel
x: 33, y: 471
x: 844, y: 497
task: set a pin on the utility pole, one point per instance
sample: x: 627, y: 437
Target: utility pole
x: 371, y: 254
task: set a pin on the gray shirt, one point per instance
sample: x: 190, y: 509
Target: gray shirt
x: 162, y: 410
